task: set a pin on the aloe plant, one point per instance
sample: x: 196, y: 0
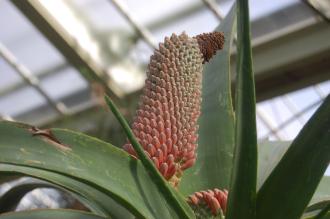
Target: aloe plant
x: 161, y: 173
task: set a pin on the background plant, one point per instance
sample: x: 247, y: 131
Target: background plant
x: 112, y: 184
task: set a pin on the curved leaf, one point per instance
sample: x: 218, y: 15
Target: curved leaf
x: 50, y: 214
x: 242, y: 195
x: 94, y: 162
x: 95, y: 200
x: 11, y: 198
x: 216, y: 123
x: 296, y: 177
x: 8, y: 177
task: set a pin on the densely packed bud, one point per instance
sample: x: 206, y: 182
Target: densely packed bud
x: 166, y: 121
x: 208, y: 203
x: 210, y: 43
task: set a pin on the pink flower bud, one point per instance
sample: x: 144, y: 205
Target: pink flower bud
x: 166, y: 121
x: 213, y: 200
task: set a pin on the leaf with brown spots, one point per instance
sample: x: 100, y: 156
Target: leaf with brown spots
x: 47, y: 136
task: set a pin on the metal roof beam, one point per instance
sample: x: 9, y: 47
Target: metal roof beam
x: 67, y: 45
x: 53, y: 70
x: 30, y: 79
x: 291, y: 61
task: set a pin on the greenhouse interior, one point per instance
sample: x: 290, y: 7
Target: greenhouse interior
x: 58, y: 59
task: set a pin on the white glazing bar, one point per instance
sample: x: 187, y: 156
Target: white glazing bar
x: 294, y: 117
x: 29, y: 78
x: 212, y: 6
x: 142, y: 31
x: 293, y: 109
x: 319, y: 91
x: 268, y: 124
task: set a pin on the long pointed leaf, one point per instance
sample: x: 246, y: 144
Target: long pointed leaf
x: 294, y: 180
x: 95, y: 200
x: 90, y: 160
x: 11, y: 198
x: 216, y: 123
x: 50, y: 214
x: 242, y: 193
x: 181, y: 207
x: 322, y: 192
x: 269, y: 155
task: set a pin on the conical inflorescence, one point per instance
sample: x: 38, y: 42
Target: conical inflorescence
x: 166, y: 121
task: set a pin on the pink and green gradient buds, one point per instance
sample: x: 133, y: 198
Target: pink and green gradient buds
x: 166, y: 120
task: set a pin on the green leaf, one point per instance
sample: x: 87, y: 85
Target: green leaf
x: 323, y: 212
x: 296, y: 177
x: 242, y: 192
x: 317, y: 206
x: 11, y: 198
x: 173, y: 199
x: 50, y: 214
x: 8, y: 177
x: 322, y: 192
x: 320, y: 213
x: 315, y: 209
x: 89, y: 160
x: 216, y: 123
x: 269, y: 155
x: 94, y: 199
x: 312, y: 215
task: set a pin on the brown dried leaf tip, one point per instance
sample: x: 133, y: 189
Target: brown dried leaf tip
x: 166, y: 121
x: 210, y: 202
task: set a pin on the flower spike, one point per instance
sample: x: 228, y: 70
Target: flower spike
x: 166, y: 121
